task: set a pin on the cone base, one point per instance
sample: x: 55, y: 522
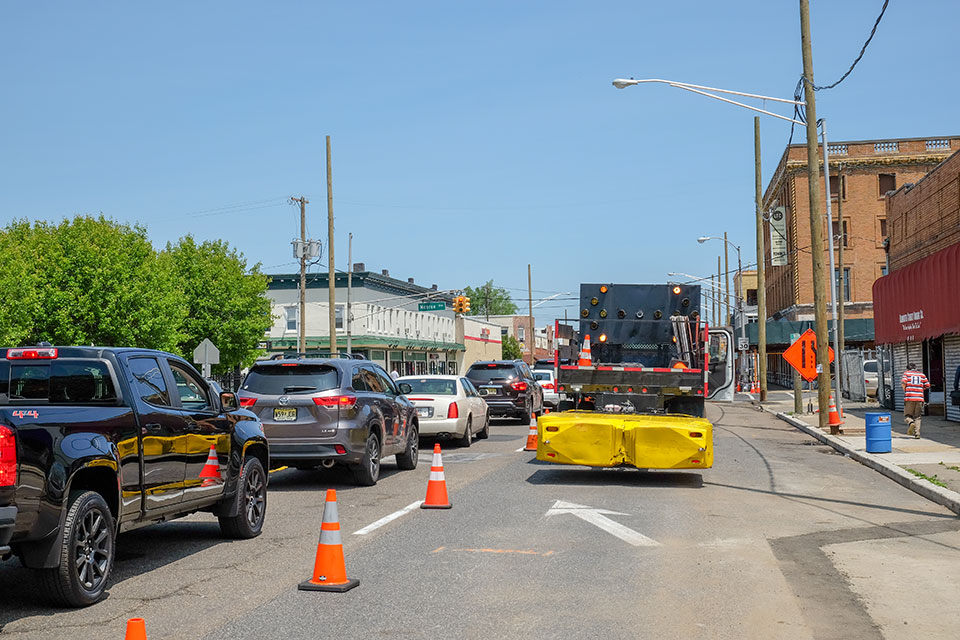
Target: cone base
x: 529, y: 448
x: 449, y: 505
x: 307, y: 585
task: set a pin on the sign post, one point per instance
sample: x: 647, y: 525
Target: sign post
x: 205, y: 355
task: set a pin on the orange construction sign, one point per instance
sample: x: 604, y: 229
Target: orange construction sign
x: 802, y: 355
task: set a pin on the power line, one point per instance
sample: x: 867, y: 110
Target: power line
x: 863, y: 50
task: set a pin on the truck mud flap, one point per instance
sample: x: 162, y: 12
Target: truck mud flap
x: 611, y: 440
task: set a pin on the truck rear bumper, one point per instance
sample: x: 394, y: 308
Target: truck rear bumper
x: 610, y: 440
x: 8, y: 518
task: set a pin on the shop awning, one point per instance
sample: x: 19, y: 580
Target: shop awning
x: 919, y: 301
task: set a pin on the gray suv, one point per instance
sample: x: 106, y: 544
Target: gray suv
x: 324, y: 411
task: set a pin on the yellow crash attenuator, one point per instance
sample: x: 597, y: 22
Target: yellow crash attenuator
x: 611, y: 440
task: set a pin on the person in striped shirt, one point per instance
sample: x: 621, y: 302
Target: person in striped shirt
x: 914, y: 383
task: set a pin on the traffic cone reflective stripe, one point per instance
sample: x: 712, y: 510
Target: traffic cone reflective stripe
x: 834, y: 417
x: 585, y: 358
x: 437, y: 485
x: 212, y: 468
x: 136, y: 629
x: 532, y: 434
x: 329, y: 569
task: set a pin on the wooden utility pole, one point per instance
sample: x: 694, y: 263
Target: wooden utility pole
x: 532, y: 338
x: 726, y: 268
x: 332, y: 271
x: 761, y: 265
x: 816, y: 223
x: 302, y: 319
x: 346, y: 319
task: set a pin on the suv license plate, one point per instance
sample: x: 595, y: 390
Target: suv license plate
x: 285, y: 415
x: 488, y: 391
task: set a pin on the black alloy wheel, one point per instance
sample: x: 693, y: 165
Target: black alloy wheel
x: 251, y: 502
x: 368, y: 471
x: 408, y: 459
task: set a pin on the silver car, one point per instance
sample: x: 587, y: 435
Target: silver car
x: 447, y: 407
x: 324, y: 411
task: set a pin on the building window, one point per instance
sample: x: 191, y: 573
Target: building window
x: 883, y: 270
x: 836, y: 232
x: 291, y: 316
x: 751, y: 297
x: 846, y: 282
x: 887, y: 182
x: 338, y: 317
x: 838, y: 187
x: 883, y: 229
x: 521, y: 333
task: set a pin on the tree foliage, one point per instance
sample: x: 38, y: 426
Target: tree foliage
x: 511, y: 348
x: 91, y: 280
x: 226, y: 301
x: 490, y: 300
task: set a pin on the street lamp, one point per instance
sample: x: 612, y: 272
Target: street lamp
x: 816, y: 233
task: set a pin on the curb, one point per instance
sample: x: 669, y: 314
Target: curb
x: 944, y: 497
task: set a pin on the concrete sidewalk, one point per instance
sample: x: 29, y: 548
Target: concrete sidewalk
x: 929, y: 465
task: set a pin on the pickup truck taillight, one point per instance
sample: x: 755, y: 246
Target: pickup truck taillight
x: 8, y: 457
x: 335, y: 401
x: 519, y: 386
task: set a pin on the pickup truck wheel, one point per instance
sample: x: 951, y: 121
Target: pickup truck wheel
x: 368, y: 471
x: 467, y: 437
x: 408, y: 459
x: 484, y: 433
x: 86, y: 552
x: 251, y: 502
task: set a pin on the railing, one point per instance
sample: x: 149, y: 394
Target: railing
x: 837, y: 149
x: 943, y: 143
x: 886, y: 147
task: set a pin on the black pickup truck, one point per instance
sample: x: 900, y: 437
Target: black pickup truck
x: 95, y: 441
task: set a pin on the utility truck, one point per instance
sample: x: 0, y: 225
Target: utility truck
x: 642, y: 365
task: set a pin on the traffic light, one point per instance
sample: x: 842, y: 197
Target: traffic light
x: 464, y: 304
x: 458, y: 304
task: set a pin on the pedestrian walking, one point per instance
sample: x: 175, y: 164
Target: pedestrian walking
x: 914, y: 383
x: 394, y: 374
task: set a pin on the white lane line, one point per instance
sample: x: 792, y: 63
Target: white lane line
x: 387, y: 519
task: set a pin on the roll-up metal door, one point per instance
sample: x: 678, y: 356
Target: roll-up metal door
x: 903, y: 354
x: 951, y: 360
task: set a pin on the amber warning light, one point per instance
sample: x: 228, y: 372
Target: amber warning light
x: 676, y: 290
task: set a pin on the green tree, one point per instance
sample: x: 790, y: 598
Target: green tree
x: 511, y: 348
x: 490, y: 300
x: 227, y: 302
x: 89, y: 280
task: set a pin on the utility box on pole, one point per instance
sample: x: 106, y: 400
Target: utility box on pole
x: 205, y: 355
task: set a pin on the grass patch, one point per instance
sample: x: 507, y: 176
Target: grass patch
x: 933, y: 480
x: 953, y: 468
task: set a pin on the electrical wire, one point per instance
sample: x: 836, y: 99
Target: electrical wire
x: 863, y: 50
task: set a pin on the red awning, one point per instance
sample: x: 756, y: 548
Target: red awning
x: 920, y: 301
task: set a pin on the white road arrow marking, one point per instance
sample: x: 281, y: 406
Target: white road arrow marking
x: 596, y: 517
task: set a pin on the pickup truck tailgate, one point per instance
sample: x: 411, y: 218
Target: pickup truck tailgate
x: 639, y: 440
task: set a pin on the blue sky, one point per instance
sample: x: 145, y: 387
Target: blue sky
x: 468, y: 138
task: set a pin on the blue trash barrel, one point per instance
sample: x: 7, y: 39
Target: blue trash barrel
x: 878, y: 432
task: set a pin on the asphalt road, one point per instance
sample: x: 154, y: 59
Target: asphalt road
x: 783, y: 538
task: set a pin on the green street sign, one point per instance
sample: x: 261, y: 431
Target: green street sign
x: 432, y: 306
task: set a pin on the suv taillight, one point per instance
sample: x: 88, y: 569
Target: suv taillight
x: 335, y: 401
x: 520, y: 385
x: 453, y: 411
x: 8, y: 457
x: 247, y: 402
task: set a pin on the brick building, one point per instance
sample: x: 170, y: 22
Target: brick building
x: 917, y: 314
x: 861, y: 174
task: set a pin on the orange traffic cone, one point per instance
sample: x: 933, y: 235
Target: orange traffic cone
x: 532, y: 434
x: 585, y: 359
x: 211, y: 470
x: 437, y: 485
x: 136, y: 629
x: 329, y: 570
x: 834, y: 417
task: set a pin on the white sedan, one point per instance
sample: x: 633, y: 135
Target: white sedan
x: 447, y: 407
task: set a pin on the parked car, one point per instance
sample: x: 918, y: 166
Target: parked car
x: 447, y: 406
x: 325, y: 411
x: 509, y: 388
x: 871, y: 377
x: 547, y: 382
x: 94, y: 441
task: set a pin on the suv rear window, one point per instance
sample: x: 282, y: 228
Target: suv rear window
x: 488, y: 373
x: 58, y: 382
x: 432, y: 387
x: 291, y: 378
